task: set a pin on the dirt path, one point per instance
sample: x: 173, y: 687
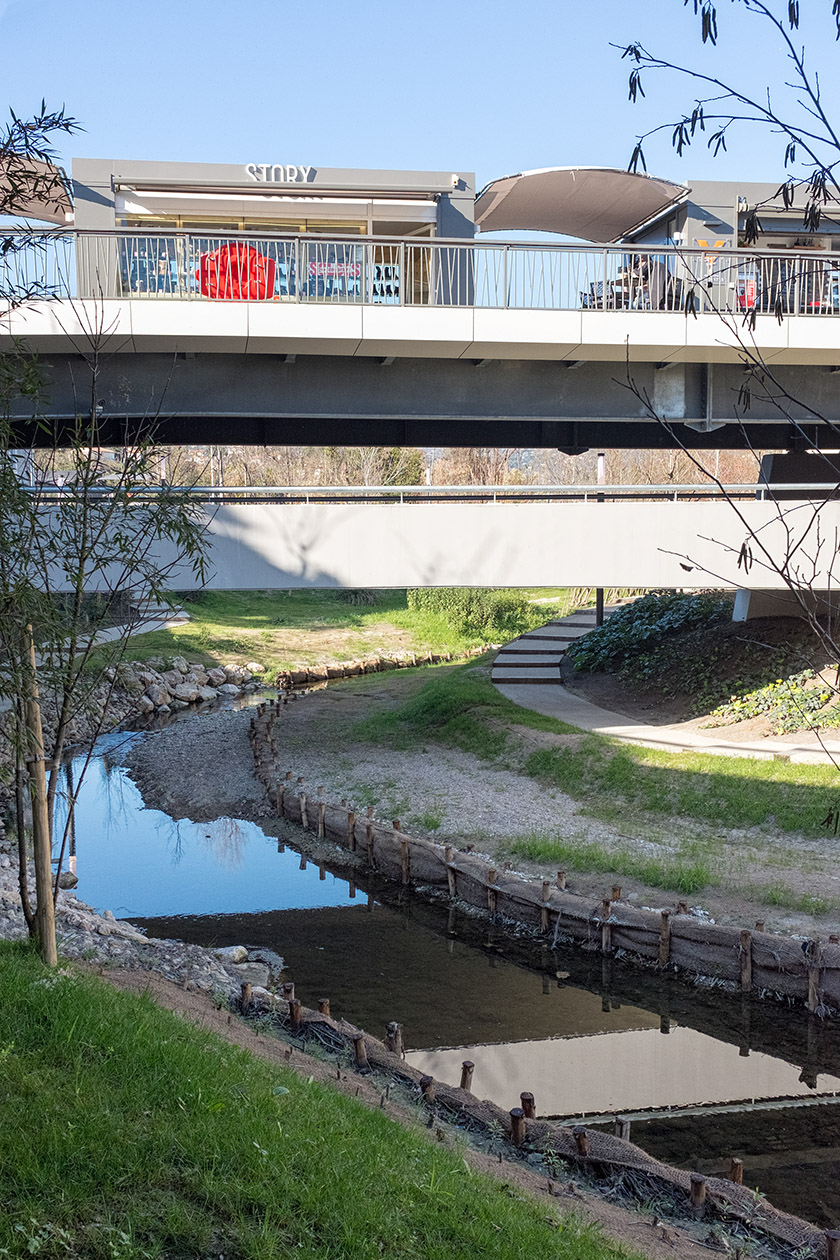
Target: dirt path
x: 203, y: 769
x: 637, y: 1230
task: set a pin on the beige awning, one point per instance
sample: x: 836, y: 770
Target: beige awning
x: 35, y: 190
x: 592, y: 202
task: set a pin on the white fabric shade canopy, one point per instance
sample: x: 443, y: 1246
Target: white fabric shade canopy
x: 591, y: 202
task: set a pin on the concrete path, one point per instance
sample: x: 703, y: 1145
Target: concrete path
x: 527, y: 671
x: 157, y: 621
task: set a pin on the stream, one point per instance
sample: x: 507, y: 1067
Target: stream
x: 702, y: 1075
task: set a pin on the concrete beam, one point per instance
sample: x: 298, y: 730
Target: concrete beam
x: 684, y: 544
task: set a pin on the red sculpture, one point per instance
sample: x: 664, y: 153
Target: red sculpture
x: 236, y: 272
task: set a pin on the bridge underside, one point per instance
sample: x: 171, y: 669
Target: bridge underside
x: 314, y: 400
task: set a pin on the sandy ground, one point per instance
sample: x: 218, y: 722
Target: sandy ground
x: 637, y: 1230
x: 202, y: 769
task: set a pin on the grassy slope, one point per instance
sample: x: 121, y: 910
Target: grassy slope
x: 461, y: 707
x: 281, y: 629
x: 126, y: 1132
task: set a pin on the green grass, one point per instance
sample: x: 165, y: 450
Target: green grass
x: 807, y: 903
x: 127, y: 1133
x: 678, y: 873
x: 280, y: 629
x: 461, y: 707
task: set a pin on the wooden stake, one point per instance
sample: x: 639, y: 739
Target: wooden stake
x: 450, y: 869
x: 294, y: 1015
x: 360, y: 1048
x: 491, y: 892
x: 246, y: 998
x: 616, y: 892
x: 304, y: 814
x: 736, y: 1171
x: 606, y: 932
x: 746, y: 960
x: 467, y: 1069
x: 322, y: 809
x: 561, y: 880
x: 393, y: 1037
x: 622, y: 1128
x: 323, y: 1006
x: 405, y: 861
x: 832, y: 1244
x: 369, y: 835
x: 759, y: 925
x: 517, y: 1125
x: 427, y: 1089
x: 288, y: 990
x: 815, y: 959
x: 396, y: 824
x: 698, y: 1195
x: 351, y: 831
x: 528, y: 1108
x: 664, y: 938
x: 682, y: 907
x: 581, y: 1140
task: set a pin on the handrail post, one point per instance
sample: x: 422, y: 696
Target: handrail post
x: 402, y: 274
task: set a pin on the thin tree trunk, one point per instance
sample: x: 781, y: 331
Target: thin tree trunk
x: 23, y: 865
x: 40, y: 816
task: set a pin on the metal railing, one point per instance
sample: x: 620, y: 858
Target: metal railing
x: 668, y: 493
x: 377, y: 271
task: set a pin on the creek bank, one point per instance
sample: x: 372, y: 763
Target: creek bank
x: 453, y: 796
x: 315, y: 675
x: 759, y: 964
x: 132, y: 689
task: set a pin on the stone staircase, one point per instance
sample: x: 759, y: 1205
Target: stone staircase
x: 535, y: 656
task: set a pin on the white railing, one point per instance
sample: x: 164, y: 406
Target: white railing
x: 667, y: 493
x: 254, y: 268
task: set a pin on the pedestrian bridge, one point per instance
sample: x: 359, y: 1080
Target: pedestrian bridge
x: 243, y: 339
x: 690, y: 537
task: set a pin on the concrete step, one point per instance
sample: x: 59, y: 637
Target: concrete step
x: 556, y: 636
x: 531, y: 651
x: 526, y: 673
x: 529, y: 663
x: 510, y: 680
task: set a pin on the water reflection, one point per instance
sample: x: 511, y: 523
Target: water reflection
x: 141, y: 862
x: 584, y: 1034
x: 634, y: 1071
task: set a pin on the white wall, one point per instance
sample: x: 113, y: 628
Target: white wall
x: 690, y: 545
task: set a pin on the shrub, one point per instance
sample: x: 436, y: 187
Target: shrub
x: 634, y: 630
x: 363, y: 596
x: 485, y: 612
x: 788, y: 703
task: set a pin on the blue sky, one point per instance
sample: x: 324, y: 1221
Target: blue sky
x: 493, y: 87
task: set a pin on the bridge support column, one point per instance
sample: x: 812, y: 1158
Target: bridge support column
x: 792, y: 468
